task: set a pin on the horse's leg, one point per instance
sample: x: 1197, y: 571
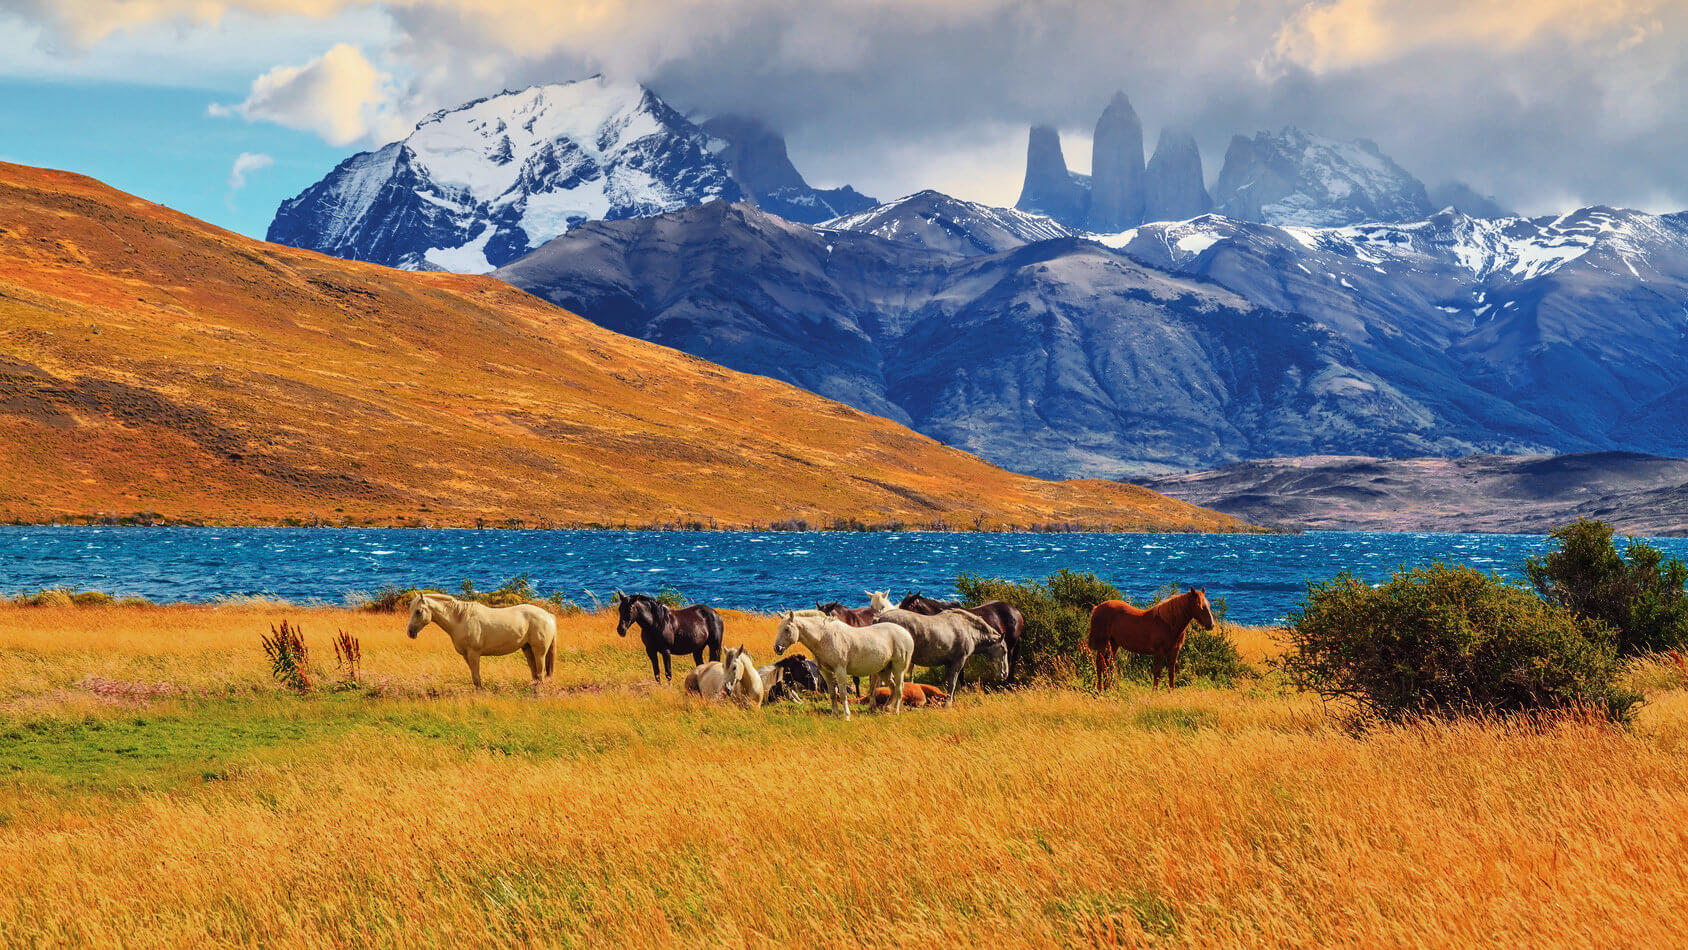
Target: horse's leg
x: 1156, y: 665
x: 952, y: 679
x: 896, y: 679
x: 668, y: 665
x: 474, y: 661
x: 656, y: 670
x: 1172, y: 672
x: 534, y: 661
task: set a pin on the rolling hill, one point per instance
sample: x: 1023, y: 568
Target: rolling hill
x: 152, y: 363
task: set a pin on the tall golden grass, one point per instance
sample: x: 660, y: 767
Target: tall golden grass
x: 626, y: 815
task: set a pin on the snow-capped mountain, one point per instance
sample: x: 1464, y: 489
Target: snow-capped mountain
x: 1298, y: 178
x: 1568, y: 331
x: 482, y: 184
x: 932, y: 219
x: 1176, y: 344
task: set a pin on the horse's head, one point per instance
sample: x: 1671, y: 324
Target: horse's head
x: 421, y: 614
x: 995, y: 653
x: 831, y: 608
x: 880, y: 600
x: 787, y: 633
x: 909, y: 601
x: 1200, y: 609
x: 635, y: 608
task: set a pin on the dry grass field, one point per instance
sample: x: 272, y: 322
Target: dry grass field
x: 153, y: 364
x: 156, y: 789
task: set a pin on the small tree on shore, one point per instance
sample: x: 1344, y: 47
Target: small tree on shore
x: 1639, y: 593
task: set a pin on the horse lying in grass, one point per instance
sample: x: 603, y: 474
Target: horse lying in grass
x: 790, y: 678
x: 477, y: 630
x: 734, y: 677
x: 743, y: 682
x: 947, y: 639
x: 1006, y: 618
x: 880, y: 652
x: 665, y: 631
x: 915, y: 695
x: 708, y: 680
x: 1157, y: 631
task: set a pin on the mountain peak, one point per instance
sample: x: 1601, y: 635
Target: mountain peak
x: 1295, y: 177
x: 940, y: 222
x: 1050, y: 189
x: 1174, y: 187
x: 760, y: 165
x: 1116, y: 168
x: 480, y: 184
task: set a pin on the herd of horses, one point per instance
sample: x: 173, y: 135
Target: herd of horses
x: 879, y: 641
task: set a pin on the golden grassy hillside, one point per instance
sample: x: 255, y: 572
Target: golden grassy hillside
x: 150, y: 362
x: 158, y: 790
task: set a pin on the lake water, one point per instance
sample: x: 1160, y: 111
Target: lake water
x: 1260, y: 576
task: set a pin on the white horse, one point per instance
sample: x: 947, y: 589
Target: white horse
x: 744, y: 681
x: 478, y: 630
x: 881, y: 650
x: 946, y: 639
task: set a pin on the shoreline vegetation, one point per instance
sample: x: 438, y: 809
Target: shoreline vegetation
x: 794, y: 525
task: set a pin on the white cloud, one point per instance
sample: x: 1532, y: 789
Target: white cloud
x: 245, y: 164
x: 339, y: 95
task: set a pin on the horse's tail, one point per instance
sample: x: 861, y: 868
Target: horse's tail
x: 551, y: 656
x: 1096, y: 637
x: 717, y: 632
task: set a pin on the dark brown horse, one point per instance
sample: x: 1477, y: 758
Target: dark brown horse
x: 854, y: 616
x: 666, y: 632
x: 1004, y: 617
x: 1157, y: 631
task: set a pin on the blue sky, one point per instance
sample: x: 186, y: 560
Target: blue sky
x: 161, y: 143
x: 1547, y: 104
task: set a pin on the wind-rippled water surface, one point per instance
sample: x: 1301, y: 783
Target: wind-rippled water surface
x: 1260, y: 576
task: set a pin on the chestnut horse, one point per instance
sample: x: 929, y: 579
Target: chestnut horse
x: 1157, y: 631
x: 1004, y: 617
x: 666, y: 632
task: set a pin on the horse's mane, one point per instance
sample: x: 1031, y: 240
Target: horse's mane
x: 1183, y: 599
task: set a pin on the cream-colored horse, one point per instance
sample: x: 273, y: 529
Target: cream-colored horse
x: 478, y: 630
x: 708, y: 680
x: 744, y: 681
x: 880, y: 652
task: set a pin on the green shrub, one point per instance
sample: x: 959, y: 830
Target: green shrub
x: 1450, y: 641
x: 671, y: 598
x: 1054, y: 644
x: 1638, y: 593
x: 390, y: 599
x: 1057, y: 614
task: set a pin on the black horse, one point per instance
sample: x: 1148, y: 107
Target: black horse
x: 1004, y: 617
x: 797, y: 674
x: 667, y: 632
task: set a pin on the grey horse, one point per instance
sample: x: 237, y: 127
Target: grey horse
x: 947, y: 639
